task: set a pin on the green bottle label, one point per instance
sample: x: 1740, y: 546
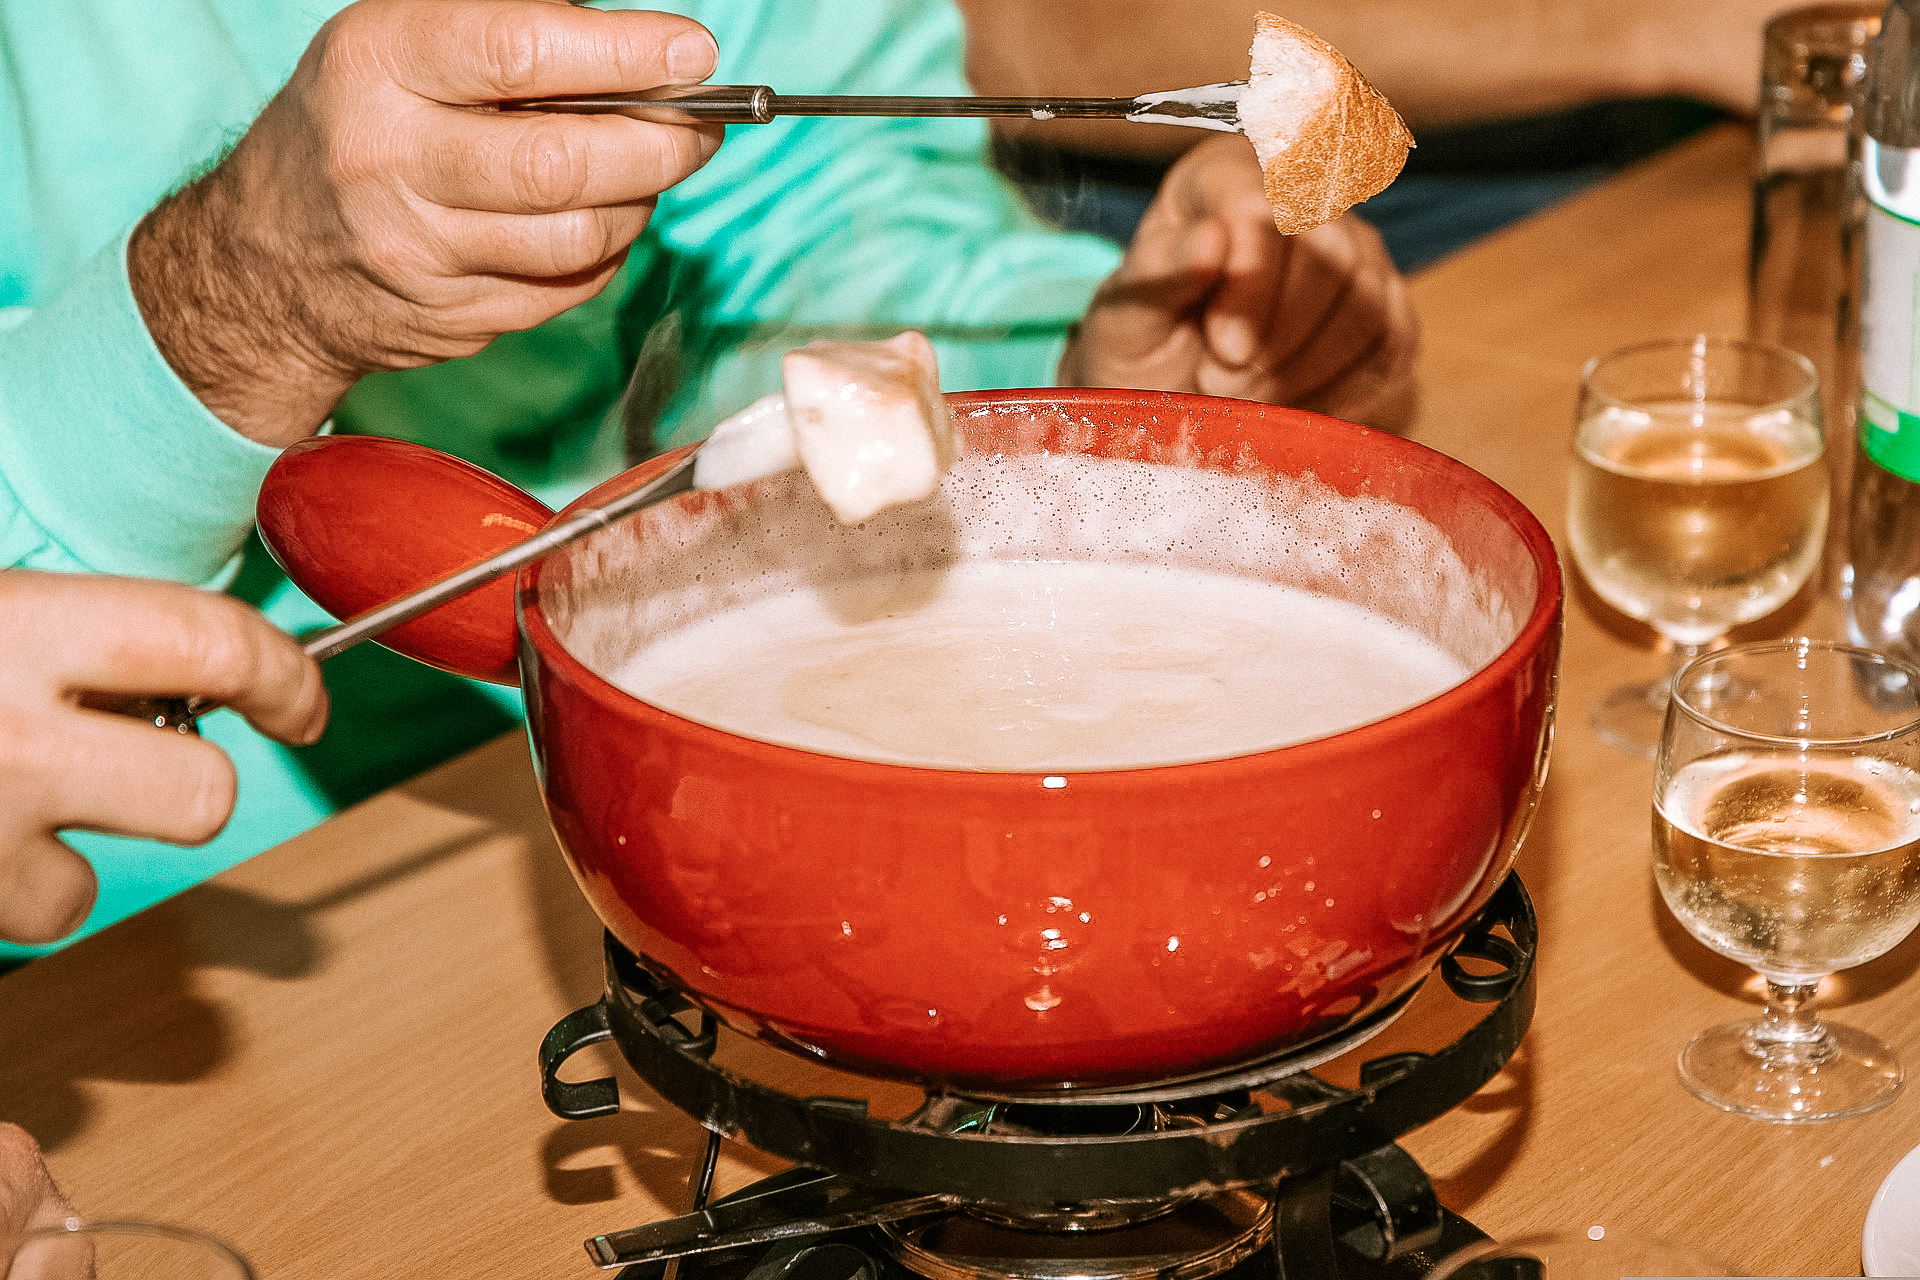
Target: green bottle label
x: 1890, y: 436
x: 1890, y: 310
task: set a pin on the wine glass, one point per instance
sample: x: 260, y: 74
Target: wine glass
x: 80, y: 1249
x: 1786, y: 835
x: 1593, y: 1254
x: 1697, y: 497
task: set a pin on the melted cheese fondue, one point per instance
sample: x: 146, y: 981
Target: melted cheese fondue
x: 1038, y: 612
x: 1021, y: 665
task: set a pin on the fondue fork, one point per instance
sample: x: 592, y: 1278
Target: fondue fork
x: 743, y: 454
x: 328, y: 641
x: 1208, y: 106
x: 750, y: 444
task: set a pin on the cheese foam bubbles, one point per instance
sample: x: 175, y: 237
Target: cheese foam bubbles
x: 1039, y: 611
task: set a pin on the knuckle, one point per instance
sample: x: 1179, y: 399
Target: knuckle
x: 352, y: 49
x: 29, y: 746
x: 549, y: 165
x: 571, y: 243
x: 338, y: 39
x: 513, y: 52
x: 401, y: 263
x: 1361, y: 233
x: 1405, y: 329
x: 23, y: 1169
x: 219, y: 647
x: 353, y: 158
x: 18, y: 1153
x: 222, y: 646
x: 1340, y: 244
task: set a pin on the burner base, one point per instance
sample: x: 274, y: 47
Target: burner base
x: 1301, y: 1177
x: 867, y: 1254
x: 1193, y: 1239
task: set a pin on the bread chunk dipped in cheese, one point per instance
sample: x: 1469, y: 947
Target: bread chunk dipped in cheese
x: 1325, y: 137
x: 865, y: 419
x: 869, y: 422
x: 755, y: 442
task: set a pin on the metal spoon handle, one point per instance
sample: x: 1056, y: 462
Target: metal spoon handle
x: 325, y: 643
x: 1210, y: 106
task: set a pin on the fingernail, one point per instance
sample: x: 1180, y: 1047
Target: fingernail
x: 316, y: 723
x: 692, y: 56
x: 1233, y: 340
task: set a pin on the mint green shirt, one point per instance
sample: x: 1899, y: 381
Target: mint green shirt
x: 845, y: 227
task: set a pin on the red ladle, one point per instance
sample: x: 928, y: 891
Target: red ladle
x: 363, y: 524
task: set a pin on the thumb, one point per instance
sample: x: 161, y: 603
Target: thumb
x: 1142, y: 329
x: 1163, y: 282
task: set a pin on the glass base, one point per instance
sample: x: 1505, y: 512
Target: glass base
x: 1848, y: 1073
x: 1630, y: 718
x: 1596, y: 1253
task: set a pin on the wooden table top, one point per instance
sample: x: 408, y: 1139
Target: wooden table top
x: 328, y: 1053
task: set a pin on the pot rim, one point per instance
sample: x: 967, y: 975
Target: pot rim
x: 537, y: 635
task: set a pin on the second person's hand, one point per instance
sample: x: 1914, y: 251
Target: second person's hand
x: 1211, y: 298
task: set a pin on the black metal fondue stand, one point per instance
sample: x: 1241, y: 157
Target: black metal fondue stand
x: 1259, y: 1172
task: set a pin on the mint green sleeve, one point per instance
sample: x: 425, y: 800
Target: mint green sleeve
x: 858, y: 227
x: 107, y: 462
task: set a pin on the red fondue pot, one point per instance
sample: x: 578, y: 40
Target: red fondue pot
x: 1020, y: 930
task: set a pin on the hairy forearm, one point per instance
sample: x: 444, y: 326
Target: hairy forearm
x: 380, y: 214
x: 1439, y: 64
x: 224, y: 311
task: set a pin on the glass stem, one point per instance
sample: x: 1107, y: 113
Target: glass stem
x: 1678, y: 656
x: 1789, y: 1032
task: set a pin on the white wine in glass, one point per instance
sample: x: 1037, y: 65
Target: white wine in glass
x: 1796, y: 867
x: 1786, y: 836
x: 1697, y: 497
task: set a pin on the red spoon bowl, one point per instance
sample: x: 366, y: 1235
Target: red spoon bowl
x: 1026, y: 931
x: 357, y: 521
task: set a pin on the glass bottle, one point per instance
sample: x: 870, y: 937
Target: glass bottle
x: 1803, y: 274
x: 1883, y: 579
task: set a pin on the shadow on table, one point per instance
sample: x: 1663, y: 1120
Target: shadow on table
x: 124, y: 1014
x: 657, y: 1145
x: 1508, y: 1095
x: 649, y: 1143
x: 125, y: 1002
x: 127, y: 1012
